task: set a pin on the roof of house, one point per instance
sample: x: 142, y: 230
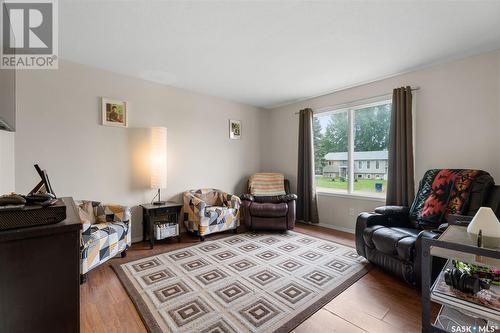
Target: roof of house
x: 358, y: 155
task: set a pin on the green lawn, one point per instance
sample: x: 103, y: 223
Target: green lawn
x: 364, y: 185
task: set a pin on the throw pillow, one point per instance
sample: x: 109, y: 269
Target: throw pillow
x: 86, y: 212
x: 460, y: 193
x: 436, y: 204
x: 424, y: 190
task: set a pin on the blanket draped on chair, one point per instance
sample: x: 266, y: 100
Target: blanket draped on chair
x: 443, y: 192
x: 267, y: 184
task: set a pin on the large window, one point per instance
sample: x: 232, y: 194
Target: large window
x: 350, y: 149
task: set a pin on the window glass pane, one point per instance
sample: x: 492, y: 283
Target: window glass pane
x: 330, y: 152
x: 371, y: 143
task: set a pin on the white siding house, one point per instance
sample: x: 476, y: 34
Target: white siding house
x: 367, y: 165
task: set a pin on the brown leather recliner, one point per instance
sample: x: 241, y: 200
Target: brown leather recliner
x: 269, y: 212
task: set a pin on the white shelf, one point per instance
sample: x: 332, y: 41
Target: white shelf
x: 440, y: 294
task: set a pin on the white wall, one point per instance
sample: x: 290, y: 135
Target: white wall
x: 58, y: 126
x: 7, y: 164
x: 8, y: 115
x: 457, y: 125
x: 8, y: 97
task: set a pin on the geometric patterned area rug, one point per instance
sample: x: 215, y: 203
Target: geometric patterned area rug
x: 252, y: 282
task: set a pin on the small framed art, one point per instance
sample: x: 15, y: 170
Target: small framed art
x: 235, y: 129
x: 114, y: 112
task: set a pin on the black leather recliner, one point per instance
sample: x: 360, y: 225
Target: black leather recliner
x: 391, y: 236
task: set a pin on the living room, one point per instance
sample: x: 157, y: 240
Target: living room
x: 224, y: 166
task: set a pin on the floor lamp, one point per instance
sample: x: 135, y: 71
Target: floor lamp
x: 158, y: 161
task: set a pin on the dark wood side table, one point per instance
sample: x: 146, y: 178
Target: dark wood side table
x: 153, y: 215
x: 40, y: 276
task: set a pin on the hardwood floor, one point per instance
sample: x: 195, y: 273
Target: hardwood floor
x: 375, y: 303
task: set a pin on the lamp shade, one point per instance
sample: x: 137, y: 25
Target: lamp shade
x: 486, y: 221
x: 158, y: 137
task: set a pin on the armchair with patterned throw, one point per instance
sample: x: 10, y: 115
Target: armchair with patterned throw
x: 106, y: 232
x: 269, y: 205
x: 209, y: 210
x: 391, y: 236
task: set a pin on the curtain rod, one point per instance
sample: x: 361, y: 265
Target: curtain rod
x: 361, y: 100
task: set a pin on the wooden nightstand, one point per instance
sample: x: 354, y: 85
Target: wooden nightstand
x: 156, y: 216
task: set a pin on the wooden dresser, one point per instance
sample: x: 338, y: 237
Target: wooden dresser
x: 39, y: 276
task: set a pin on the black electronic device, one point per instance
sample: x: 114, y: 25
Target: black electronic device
x: 41, y: 206
x: 464, y: 281
x: 39, y: 197
x: 44, y: 185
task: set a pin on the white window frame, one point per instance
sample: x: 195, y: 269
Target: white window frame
x: 350, y: 108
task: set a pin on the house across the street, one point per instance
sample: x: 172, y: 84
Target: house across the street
x: 367, y: 165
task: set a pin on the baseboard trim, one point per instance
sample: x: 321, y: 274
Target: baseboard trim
x: 331, y: 226
x: 138, y: 239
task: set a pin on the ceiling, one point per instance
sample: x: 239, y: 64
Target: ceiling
x: 269, y: 53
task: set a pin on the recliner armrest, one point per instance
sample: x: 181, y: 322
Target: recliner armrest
x: 389, y: 219
x: 442, y: 227
x: 275, y: 198
x: 247, y: 197
x: 393, y: 210
x: 371, y: 219
x: 428, y: 234
x: 398, y: 216
x: 455, y: 219
x: 288, y: 197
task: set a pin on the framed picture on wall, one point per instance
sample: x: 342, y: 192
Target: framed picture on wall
x: 235, y: 129
x: 114, y: 112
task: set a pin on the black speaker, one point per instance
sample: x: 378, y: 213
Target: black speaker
x: 33, y: 215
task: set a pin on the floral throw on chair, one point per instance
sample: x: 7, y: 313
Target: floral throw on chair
x: 209, y: 210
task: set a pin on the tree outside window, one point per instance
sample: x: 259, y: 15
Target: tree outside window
x: 369, y: 126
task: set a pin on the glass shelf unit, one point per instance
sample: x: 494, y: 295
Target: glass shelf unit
x: 456, y: 244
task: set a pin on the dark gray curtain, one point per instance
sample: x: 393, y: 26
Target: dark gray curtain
x: 307, y: 207
x: 401, y: 184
